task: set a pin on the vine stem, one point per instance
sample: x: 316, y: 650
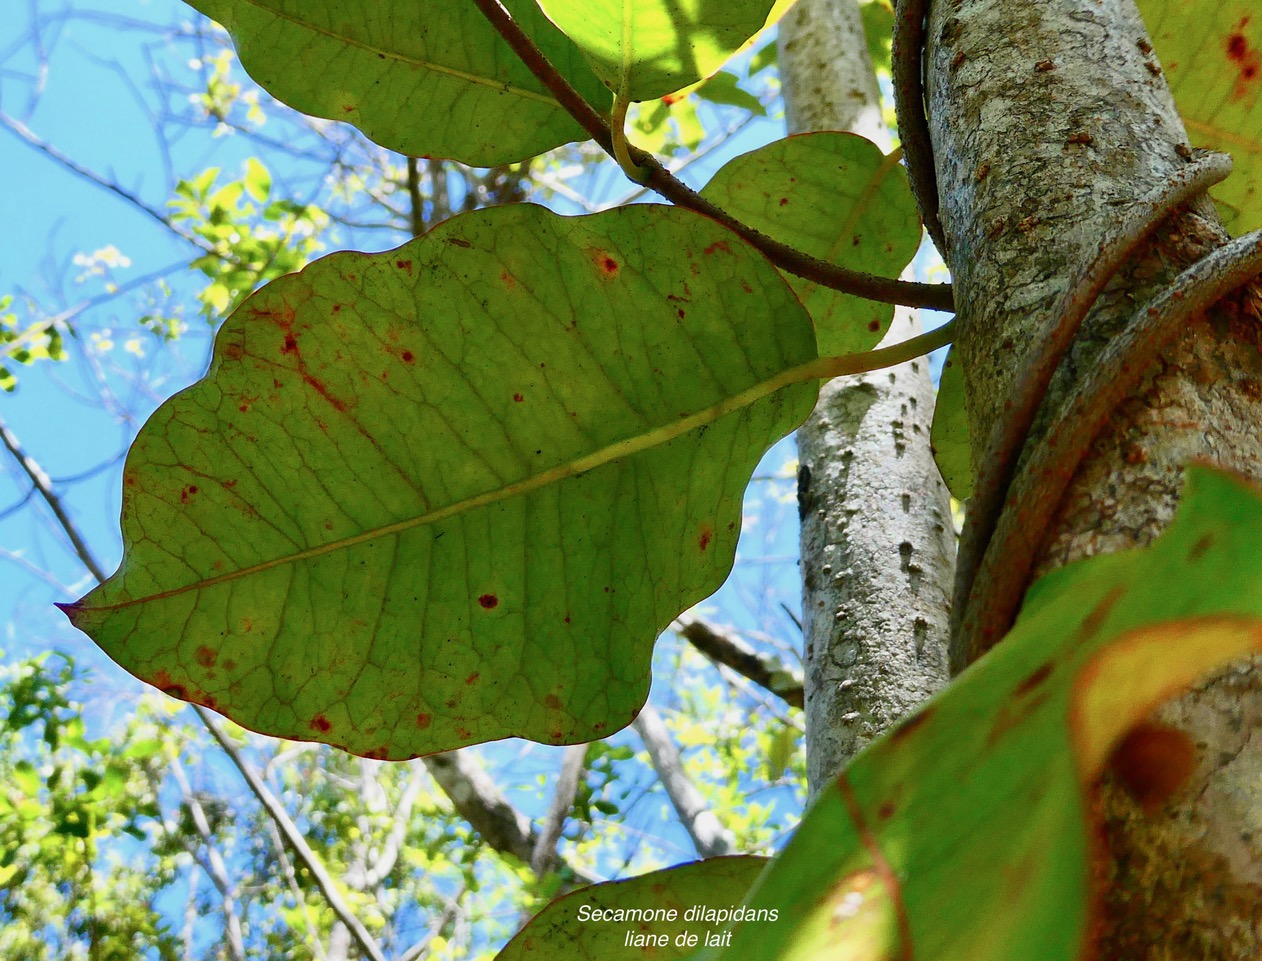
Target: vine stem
x: 1008, y: 437
x: 883, y: 289
x: 907, y: 69
x: 1038, y: 490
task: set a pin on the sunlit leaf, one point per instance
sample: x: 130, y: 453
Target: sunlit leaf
x: 452, y: 492
x: 649, y: 48
x: 1212, y: 56
x: 428, y: 79
x: 837, y: 197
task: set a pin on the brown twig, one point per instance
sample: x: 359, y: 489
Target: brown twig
x: 883, y: 289
x: 1007, y: 438
x: 1037, y: 491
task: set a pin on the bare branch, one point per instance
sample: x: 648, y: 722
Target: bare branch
x: 707, y: 833
x: 573, y: 762
x: 727, y: 649
x: 295, y: 840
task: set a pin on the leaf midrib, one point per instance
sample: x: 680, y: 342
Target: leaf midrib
x: 628, y: 447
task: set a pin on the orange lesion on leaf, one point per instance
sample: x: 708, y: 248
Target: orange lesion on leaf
x: 706, y: 535
x: 205, y: 656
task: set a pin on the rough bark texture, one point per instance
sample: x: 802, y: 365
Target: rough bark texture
x: 1047, y: 115
x: 877, y: 543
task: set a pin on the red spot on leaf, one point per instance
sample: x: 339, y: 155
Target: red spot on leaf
x: 680, y: 312
x: 378, y: 753
x: 321, y: 723
x: 407, y: 356
x: 205, y: 656
x: 488, y: 601
x: 229, y: 665
x: 874, y: 325
x: 291, y: 345
x: 610, y: 265
x: 176, y: 690
x: 404, y: 265
x: 424, y: 720
x: 187, y: 492
x: 718, y: 245
x: 886, y: 810
x: 510, y: 282
x: 472, y: 678
x: 518, y: 398
x: 337, y: 308
x: 1034, y: 681
x: 783, y: 201
x: 1246, y: 59
x: 552, y: 701
x: 707, y: 534
x: 1152, y: 762
x: 464, y: 732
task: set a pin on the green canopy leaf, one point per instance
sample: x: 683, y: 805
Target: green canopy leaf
x: 949, y: 436
x: 1212, y: 56
x: 649, y: 48
x: 452, y: 492
x: 837, y: 197
x: 427, y: 79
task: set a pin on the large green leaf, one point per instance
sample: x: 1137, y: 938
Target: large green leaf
x: 1212, y: 55
x: 649, y: 48
x: 837, y: 197
x: 452, y: 492
x: 969, y: 829
x: 426, y: 78
x: 949, y: 436
x: 660, y: 916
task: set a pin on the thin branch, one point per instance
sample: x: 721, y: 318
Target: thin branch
x: 707, y: 833
x: 479, y: 801
x: 727, y: 649
x: 297, y: 843
x: 44, y: 486
x: 883, y: 289
x: 214, y: 865
x: 572, y: 763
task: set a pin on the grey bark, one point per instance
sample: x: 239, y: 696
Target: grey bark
x: 877, y: 543
x: 1046, y: 115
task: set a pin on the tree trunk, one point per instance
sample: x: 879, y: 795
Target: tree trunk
x: 877, y: 545
x: 1047, y: 118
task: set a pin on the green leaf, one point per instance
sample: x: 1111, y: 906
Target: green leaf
x: 452, y: 492
x: 649, y: 48
x: 970, y: 828
x: 26, y: 779
x: 586, y: 924
x: 1212, y: 56
x: 724, y: 88
x: 257, y: 180
x: 949, y: 436
x: 837, y: 197
x: 431, y: 78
